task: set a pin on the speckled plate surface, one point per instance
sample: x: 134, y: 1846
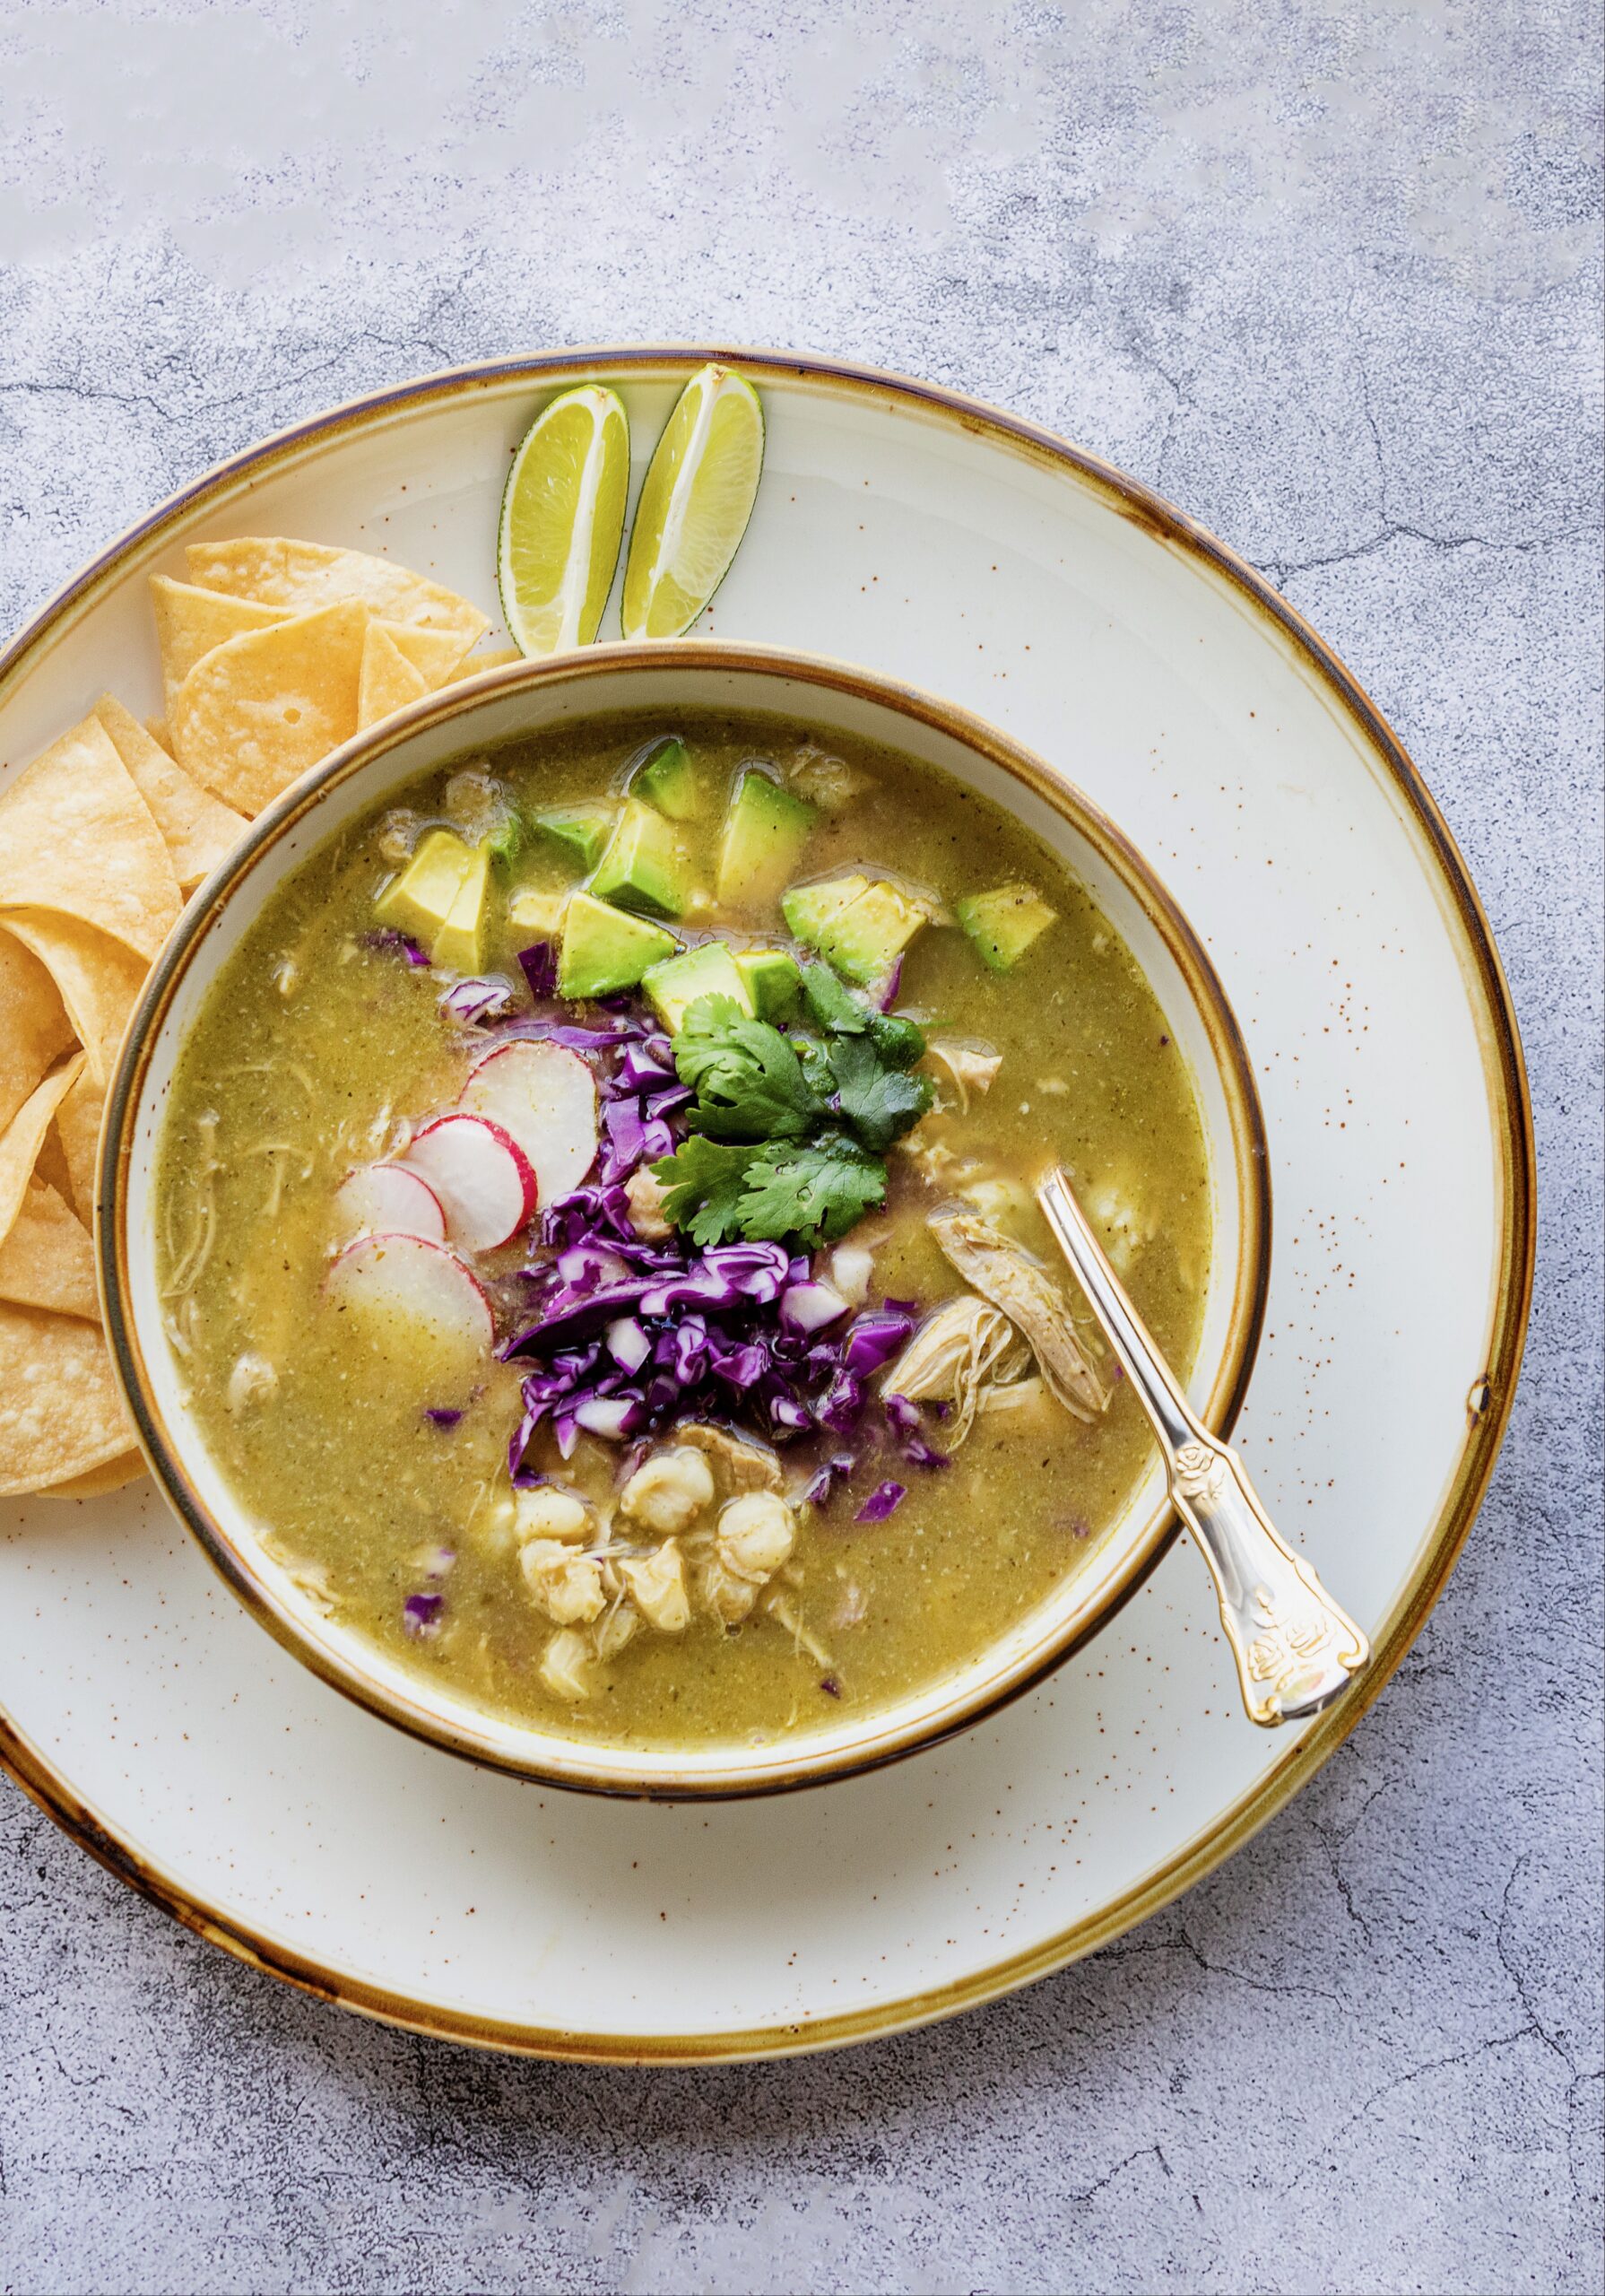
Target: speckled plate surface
x: 977, y: 558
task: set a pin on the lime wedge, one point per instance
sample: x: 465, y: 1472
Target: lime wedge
x: 562, y: 517
x: 695, y: 504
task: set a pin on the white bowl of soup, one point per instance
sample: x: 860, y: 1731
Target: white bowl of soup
x: 569, y: 1228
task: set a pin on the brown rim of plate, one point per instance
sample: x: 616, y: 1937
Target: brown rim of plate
x: 551, y: 1759
x: 1511, y: 1117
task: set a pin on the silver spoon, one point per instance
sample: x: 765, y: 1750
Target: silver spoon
x: 1295, y: 1650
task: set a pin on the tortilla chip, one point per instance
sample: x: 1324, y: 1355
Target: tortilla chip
x: 434, y: 654
x: 34, y: 1027
x: 98, y: 979
x: 275, y: 571
x: 48, y: 1260
x: 77, y: 837
x: 51, y: 1164
x: 389, y: 681
x: 61, y: 1414
x: 198, y: 828
x: 257, y: 713
x: 189, y: 623
x: 20, y: 1141
x: 495, y: 657
x: 77, y: 1132
x: 112, y: 1476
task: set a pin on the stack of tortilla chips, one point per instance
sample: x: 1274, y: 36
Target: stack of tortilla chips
x: 273, y: 654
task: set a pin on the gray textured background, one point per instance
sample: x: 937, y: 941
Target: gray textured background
x: 1328, y: 276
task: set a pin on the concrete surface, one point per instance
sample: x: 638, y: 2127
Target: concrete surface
x: 1328, y: 276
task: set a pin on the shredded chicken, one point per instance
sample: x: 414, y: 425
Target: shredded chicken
x: 615, y: 1628
x: 742, y: 1466
x: 188, y: 1266
x: 971, y: 1064
x: 1015, y: 1394
x: 829, y: 782
x: 1005, y: 1272
x: 311, y: 1577
x: 1125, y: 1229
x: 956, y: 1356
x: 997, y: 1199
x: 398, y: 834
x: 852, y: 1610
x: 475, y: 801
x: 251, y: 1381
x: 784, y: 1612
x: 566, y: 1669
x: 852, y: 1266
x: 644, y: 1196
x: 927, y: 1152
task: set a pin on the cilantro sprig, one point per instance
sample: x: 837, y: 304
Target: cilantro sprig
x: 788, y: 1130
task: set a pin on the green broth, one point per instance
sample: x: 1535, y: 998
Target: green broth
x: 313, y: 1044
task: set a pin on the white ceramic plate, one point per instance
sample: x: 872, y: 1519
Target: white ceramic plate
x: 970, y: 555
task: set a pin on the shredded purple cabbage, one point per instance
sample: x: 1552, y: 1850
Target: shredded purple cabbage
x: 647, y: 1067
x: 618, y: 1336
x: 841, y: 1406
x: 540, y: 967
x: 385, y: 937
x: 439, y: 1415
x: 420, y: 1615
x: 741, y: 1366
x: 808, y: 1307
x: 541, y: 1031
x: 611, y: 1416
x: 477, y: 999
x: 629, y: 1344
x: 875, y: 1339
x: 880, y: 1502
x: 903, y: 1418
x: 822, y: 1488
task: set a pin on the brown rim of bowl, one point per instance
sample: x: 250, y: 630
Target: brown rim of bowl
x: 1510, y: 1114
x: 551, y: 1759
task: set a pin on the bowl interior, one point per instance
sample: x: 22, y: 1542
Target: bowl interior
x: 524, y: 700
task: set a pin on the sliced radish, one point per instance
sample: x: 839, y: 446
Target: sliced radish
x: 414, y: 1296
x: 545, y: 1096
x: 387, y: 1199
x: 480, y: 1176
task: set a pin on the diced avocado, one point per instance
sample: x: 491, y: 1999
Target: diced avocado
x: 809, y: 910
x: 645, y: 865
x: 666, y: 778
x: 774, y: 982
x: 605, y: 950
x: 505, y: 842
x: 709, y: 970
x: 765, y: 832
x: 457, y: 942
x: 1003, y: 924
x: 583, y: 831
x: 421, y: 900
x: 860, y: 927
x: 534, y: 908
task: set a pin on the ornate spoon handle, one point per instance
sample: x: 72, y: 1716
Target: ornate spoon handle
x: 1296, y: 1650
